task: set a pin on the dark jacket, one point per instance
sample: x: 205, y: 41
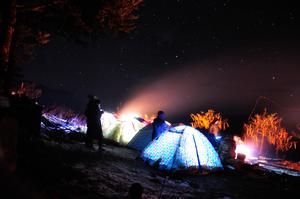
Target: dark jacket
x: 93, y: 116
x: 159, y: 126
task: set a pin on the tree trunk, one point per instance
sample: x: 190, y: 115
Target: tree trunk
x: 7, y: 29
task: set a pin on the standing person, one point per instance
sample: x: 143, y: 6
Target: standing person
x: 159, y: 125
x: 215, y: 135
x: 93, y: 114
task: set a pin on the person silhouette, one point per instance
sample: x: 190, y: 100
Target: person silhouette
x: 159, y: 125
x: 93, y: 115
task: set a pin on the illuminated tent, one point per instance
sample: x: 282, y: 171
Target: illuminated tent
x: 182, y: 147
x: 142, y: 138
x: 119, y: 129
x: 122, y: 129
x: 109, y: 123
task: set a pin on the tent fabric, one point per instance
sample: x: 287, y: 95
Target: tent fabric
x: 182, y: 147
x: 113, y: 128
x: 125, y: 131
x: 142, y: 138
x: 108, y: 123
x: 120, y: 130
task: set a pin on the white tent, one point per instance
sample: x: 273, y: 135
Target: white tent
x: 142, y: 138
x: 122, y: 129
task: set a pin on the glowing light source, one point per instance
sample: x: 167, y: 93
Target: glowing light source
x: 129, y: 116
x: 243, y: 148
x: 218, y: 137
x: 120, y: 128
x: 129, y: 126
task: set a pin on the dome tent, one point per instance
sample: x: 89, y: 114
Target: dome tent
x: 142, y: 138
x: 182, y: 147
x: 121, y: 129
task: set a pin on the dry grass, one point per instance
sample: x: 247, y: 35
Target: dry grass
x: 206, y: 119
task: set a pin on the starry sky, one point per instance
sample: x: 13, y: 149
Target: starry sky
x: 184, y: 56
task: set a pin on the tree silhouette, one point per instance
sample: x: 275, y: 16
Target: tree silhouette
x: 26, y: 25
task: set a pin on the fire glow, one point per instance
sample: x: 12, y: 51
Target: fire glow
x: 243, y: 148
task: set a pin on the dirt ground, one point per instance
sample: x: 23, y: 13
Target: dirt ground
x: 69, y: 170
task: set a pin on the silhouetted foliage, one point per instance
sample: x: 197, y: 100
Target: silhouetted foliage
x: 29, y: 24
x: 206, y: 119
x: 268, y: 127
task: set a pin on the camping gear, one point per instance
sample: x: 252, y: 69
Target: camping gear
x: 142, y: 138
x: 182, y: 147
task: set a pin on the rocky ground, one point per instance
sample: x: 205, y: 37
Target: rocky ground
x: 69, y: 170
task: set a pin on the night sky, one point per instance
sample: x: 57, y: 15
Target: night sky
x: 184, y: 56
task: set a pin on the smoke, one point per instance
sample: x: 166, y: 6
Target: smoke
x: 225, y: 82
x: 174, y: 93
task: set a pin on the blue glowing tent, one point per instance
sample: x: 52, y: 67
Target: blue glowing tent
x: 182, y: 147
